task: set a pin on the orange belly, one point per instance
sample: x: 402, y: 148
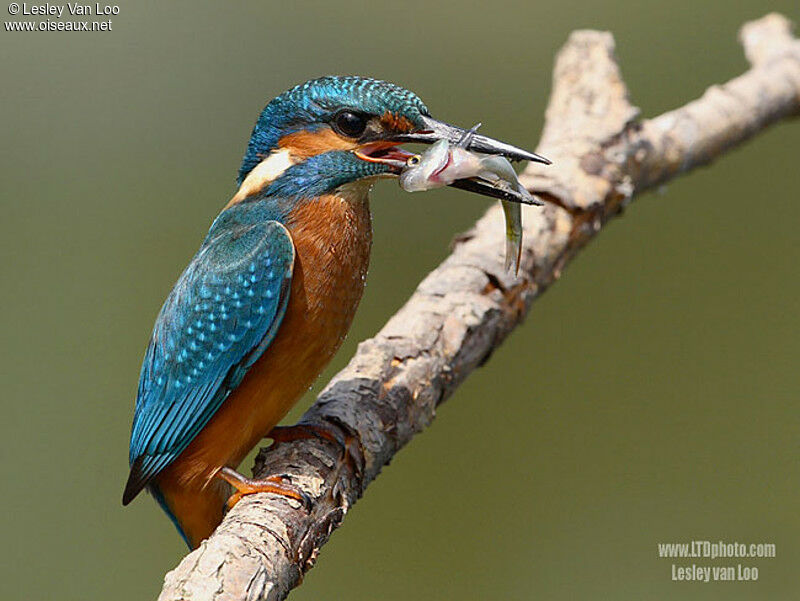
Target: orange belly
x: 332, y: 236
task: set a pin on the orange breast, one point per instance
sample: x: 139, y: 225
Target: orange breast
x: 332, y: 237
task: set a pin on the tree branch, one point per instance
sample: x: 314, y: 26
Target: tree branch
x: 465, y: 308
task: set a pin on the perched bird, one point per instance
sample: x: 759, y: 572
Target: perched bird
x: 269, y: 297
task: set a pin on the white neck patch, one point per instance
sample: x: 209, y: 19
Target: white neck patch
x: 263, y: 174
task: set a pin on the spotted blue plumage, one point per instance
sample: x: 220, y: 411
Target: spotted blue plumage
x: 219, y: 318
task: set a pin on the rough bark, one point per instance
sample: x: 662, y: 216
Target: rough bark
x: 603, y: 156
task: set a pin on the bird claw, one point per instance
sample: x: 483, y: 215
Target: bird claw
x: 272, y: 484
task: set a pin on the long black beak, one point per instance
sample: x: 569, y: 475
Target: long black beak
x: 436, y: 130
x: 479, y: 186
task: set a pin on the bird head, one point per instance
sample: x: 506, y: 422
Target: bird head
x: 333, y: 131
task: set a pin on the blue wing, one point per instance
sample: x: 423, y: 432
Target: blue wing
x: 219, y: 318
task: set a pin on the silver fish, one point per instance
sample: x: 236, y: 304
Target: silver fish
x: 444, y: 163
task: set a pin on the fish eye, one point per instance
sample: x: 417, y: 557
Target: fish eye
x: 349, y: 123
x: 412, y: 161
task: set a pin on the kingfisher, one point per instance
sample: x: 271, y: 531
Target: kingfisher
x: 270, y: 295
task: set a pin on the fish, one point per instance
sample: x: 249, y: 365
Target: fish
x: 448, y: 164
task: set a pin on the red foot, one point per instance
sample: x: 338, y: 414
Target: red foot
x: 248, y: 486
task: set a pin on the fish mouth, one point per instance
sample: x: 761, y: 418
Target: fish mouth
x: 386, y: 153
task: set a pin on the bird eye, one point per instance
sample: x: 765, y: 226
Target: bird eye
x: 413, y: 160
x: 350, y: 124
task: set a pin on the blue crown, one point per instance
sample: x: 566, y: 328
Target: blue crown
x: 312, y: 104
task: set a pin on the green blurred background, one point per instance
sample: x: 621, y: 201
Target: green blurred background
x: 650, y: 397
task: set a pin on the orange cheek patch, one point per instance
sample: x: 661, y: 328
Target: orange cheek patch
x: 304, y: 144
x: 395, y: 122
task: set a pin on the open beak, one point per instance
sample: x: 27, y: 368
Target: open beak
x: 385, y: 152
x: 388, y: 152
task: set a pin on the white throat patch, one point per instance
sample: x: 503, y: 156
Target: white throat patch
x: 263, y: 174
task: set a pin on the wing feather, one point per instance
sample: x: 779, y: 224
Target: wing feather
x: 219, y: 318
